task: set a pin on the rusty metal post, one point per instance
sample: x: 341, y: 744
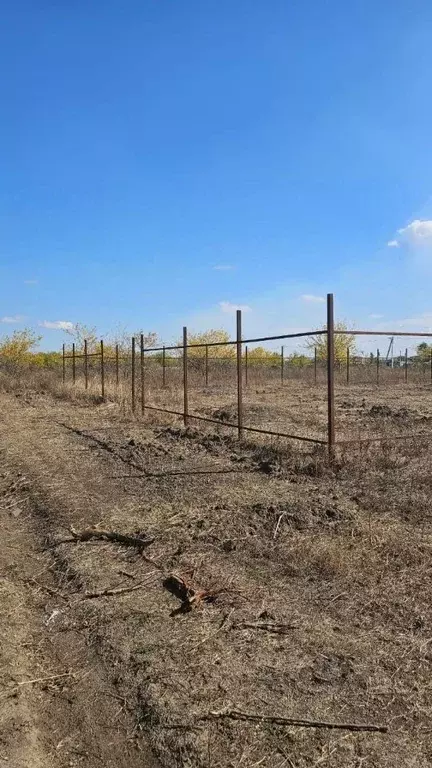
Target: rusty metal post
x: 406, y: 365
x: 378, y: 367
x: 185, y: 377
x: 330, y: 376
x: 117, y: 364
x: 85, y: 364
x: 315, y: 365
x: 246, y: 366
x: 163, y: 367
x: 102, y: 370
x: 239, y: 375
x: 142, y: 373
x: 64, y: 364
x: 73, y: 363
x: 348, y: 365
x: 282, y: 365
x: 133, y: 374
x: 206, y: 366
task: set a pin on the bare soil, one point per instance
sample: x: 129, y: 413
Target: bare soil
x: 315, y: 585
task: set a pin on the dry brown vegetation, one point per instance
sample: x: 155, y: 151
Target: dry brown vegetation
x: 310, y: 581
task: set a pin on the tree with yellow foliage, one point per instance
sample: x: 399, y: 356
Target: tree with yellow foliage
x: 210, y: 337
x: 342, y: 342
x: 19, y: 346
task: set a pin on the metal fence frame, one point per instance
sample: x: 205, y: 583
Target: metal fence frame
x: 239, y: 342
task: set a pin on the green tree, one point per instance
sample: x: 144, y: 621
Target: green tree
x: 342, y: 342
x: 424, y: 350
x: 299, y: 360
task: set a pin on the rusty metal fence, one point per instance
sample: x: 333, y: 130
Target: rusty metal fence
x: 137, y: 366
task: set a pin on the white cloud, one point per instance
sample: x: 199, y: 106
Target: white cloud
x: 229, y: 308
x: 12, y: 319
x: 375, y: 316
x: 223, y: 267
x: 417, y: 234
x: 30, y: 282
x: 57, y: 325
x: 312, y: 298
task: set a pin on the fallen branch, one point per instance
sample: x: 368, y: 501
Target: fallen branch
x: 121, y: 538
x: 118, y: 590
x: 234, y: 714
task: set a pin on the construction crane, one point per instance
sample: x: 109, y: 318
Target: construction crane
x: 390, y: 352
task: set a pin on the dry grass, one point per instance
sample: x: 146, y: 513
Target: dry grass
x: 342, y: 553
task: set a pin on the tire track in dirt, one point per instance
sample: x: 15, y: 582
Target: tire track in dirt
x: 296, y: 549
x: 72, y: 715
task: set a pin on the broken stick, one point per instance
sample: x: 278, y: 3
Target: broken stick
x: 122, y: 538
x: 234, y: 714
x: 118, y: 590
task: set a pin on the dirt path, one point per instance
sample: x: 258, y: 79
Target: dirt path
x: 71, y: 715
x: 321, y: 606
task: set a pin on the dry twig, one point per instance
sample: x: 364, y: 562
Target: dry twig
x: 278, y: 524
x: 45, y: 679
x: 121, y: 538
x: 118, y: 590
x: 268, y: 626
x: 234, y: 714
x: 50, y: 590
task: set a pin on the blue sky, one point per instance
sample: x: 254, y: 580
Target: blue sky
x: 163, y: 162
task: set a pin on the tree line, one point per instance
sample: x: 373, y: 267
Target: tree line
x: 22, y: 346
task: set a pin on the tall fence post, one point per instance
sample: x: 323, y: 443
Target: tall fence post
x: 330, y: 376
x: 185, y: 377
x: 64, y: 365
x: 246, y: 366
x: 431, y: 365
x: 142, y: 373
x: 206, y: 367
x: 85, y: 364
x: 133, y: 374
x: 378, y: 367
x: 163, y: 367
x: 282, y: 365
x: 406, y: 365
x: 315, y: 365
x: 117, y: 364
x: 239, y: 375
x: 348, y: 365
x: 73, y: 363
x: 102, y: 370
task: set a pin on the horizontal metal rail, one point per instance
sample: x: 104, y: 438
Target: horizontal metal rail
x: 90, y: 354
x: 179, y: 347
x: 382, y: 333
x: 235, y: 426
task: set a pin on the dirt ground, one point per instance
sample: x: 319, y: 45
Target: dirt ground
x: 308, y: 586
